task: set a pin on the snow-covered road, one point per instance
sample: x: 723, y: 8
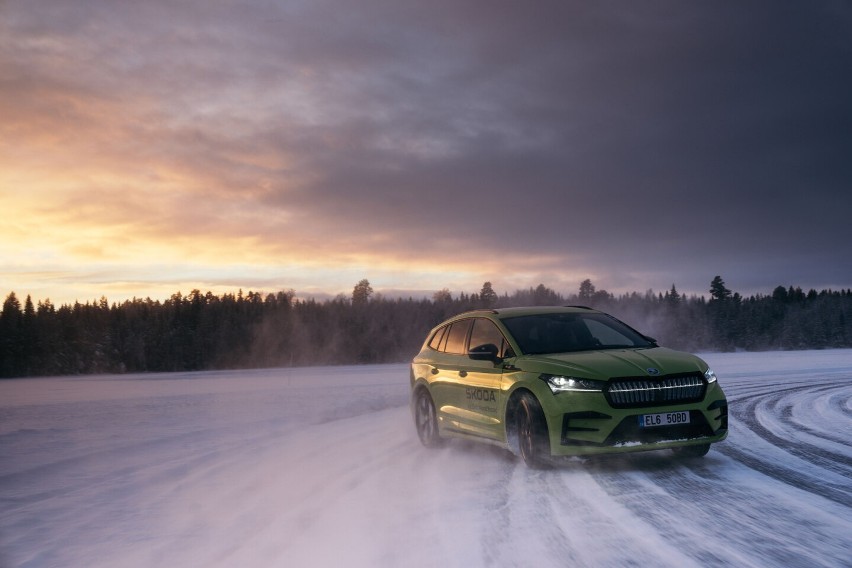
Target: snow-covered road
x: 321, y: 467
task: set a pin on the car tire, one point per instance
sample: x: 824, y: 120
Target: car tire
x: 533, y: 440
x: 692, y: 451
x: 426, y: 420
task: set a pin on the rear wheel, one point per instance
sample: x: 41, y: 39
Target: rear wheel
x: 692, y: 451
x: 533, y: 441
x: 425, y: 419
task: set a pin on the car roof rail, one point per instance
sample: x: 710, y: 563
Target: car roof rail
x: 480, y: 310
x: 578, y: 306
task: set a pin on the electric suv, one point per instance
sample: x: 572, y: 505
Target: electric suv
x: 559, y: 381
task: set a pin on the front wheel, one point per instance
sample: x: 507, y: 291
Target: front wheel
x: 533, y: 440
x: 426, y: 420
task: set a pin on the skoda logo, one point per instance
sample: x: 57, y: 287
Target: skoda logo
x: 653, y: 371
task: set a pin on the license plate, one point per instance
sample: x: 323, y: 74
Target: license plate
x: 664, y: 419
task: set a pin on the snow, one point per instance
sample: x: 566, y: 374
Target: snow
x: 322, y: 467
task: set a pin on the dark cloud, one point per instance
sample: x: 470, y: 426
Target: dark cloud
x: 639, y: 144
x: 705, y: 141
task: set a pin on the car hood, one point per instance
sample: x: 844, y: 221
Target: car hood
x: 605, y: 364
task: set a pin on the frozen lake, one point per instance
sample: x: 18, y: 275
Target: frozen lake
x: 322, y: 467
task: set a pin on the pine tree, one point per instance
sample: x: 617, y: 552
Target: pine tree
x: 718, y: 290
x: 587, y: 289
x: 361, y: 293
x: 487, y: 296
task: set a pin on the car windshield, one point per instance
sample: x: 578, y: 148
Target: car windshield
x: 563, y: 333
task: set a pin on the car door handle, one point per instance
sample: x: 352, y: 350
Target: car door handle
x: 462, y: 373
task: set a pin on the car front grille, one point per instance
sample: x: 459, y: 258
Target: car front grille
x: 636, y: 392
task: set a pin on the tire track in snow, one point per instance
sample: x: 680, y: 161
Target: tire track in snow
x: 564, y: 518
x: 699, y: 503
x: 707, y: 498
x: 788, y: 413
x: 838, y: 494
x: 780, y: 406
x: 776, y: 407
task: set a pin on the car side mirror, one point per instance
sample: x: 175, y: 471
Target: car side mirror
x: 486, y: 352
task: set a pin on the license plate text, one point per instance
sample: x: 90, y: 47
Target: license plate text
x: 664, y: 419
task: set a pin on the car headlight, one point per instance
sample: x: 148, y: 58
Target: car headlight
x: 710, y: 376
x: 561, y: 383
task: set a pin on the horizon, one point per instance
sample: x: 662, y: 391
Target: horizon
x: 394, y: 294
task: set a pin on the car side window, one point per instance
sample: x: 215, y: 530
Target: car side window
x: 484, y: 332
x: 457, y: 336
x: 435, y: 343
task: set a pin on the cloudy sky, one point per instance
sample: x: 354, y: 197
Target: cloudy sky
x: 154, y: 147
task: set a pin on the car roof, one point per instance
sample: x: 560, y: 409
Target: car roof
x: 536, y: 310
x: 502, y: 313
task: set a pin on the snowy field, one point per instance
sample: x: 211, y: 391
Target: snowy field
x: 322, y: 467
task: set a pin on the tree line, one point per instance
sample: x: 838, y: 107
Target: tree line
x: 204, y: 331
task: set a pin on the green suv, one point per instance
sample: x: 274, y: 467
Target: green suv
x: 562, y: 381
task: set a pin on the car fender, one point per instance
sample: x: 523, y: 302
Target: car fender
x: 513, y: 382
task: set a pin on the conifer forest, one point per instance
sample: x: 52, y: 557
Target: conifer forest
x: 203, y: 331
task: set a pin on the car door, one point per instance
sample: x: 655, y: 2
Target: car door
x: 479, y: 382
x: 448, y: 372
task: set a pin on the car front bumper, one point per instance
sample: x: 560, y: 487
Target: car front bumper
x: 584, y: 424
